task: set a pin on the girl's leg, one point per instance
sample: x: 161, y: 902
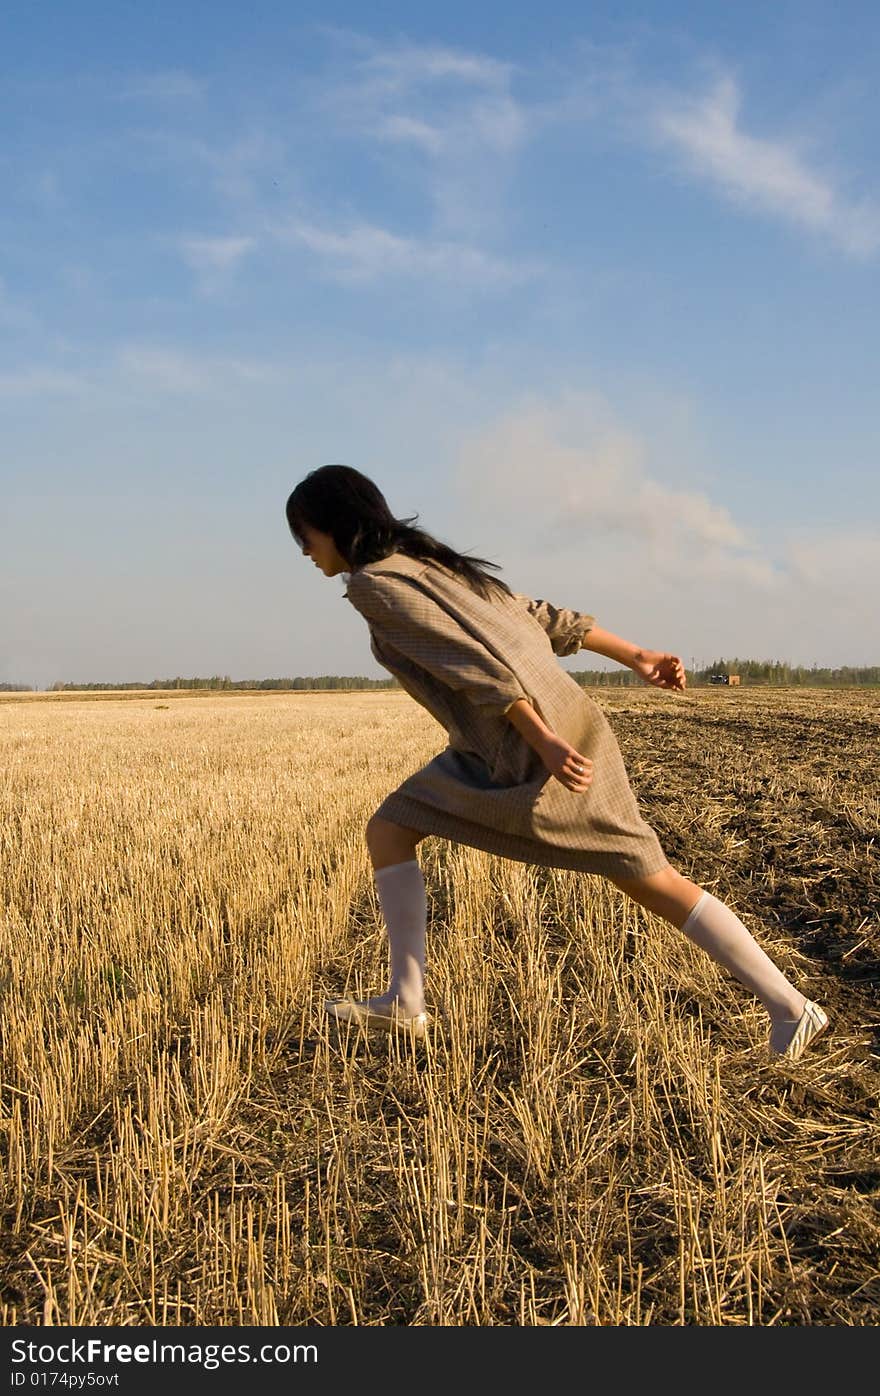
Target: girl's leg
x: 390, y: 843
x: 717, y: 930
x: 401, y: 889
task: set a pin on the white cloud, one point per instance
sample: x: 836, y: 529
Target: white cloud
x: 44, y: 187
x: 409, y: 129
x: 239, y: 170
x: 365, y: 253
x: 172, y: 371
x: 759, y: 172
x: 567, y: 498
x: 570, y: 475
x: 173, y: 85
x: 79, y: 279
x: 13, y: 314
x: 841, y: 565
x: 214, y: 259
x: 455, y: 110
x: 215, y: 254
x: 399, y: 68
x: 577, y: 505
x: 41, y: 382
x: 457, y: 129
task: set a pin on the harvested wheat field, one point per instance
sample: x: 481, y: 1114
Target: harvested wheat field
x: 595, y: 1137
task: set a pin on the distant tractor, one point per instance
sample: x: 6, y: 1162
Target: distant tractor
x: 731, y: 679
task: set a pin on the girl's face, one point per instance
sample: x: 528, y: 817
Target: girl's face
x: 322, y: 550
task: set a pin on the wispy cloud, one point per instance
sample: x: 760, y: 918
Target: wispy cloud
x: 450, y: 95
x: 445, y: 119
x: 760, y: 172
x: 455, y: 110
x: 840, y: 564
x: 172, y: 85
x: 165, y: 369
x: 168, y: 370
x: 41, y: 382
x: 577, y: 476
x: 214, y: 259
x: 366, y: 253
x: 14, y: 315
x: 44, y: 187
x: 239, y: 170
x: 406, y: 65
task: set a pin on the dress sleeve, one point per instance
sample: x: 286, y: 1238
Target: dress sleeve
x: 411, y: 622
x: 565, y: 629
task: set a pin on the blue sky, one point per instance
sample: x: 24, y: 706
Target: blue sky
x: 591, y: 290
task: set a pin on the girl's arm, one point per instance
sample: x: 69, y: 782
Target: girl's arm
x: 558, y: 756
x: 654, y: 666
x: 562, y: 760
x: 565, y: 629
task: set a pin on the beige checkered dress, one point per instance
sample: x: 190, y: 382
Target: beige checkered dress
x: 467, y: 660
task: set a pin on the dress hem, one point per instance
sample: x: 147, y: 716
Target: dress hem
x: 414, y: 815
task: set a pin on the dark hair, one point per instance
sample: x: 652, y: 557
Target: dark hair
x: 339, y: 500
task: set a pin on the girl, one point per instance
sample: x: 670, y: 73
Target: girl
x: 532, y: 770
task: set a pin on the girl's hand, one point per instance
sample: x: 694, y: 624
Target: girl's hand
x: 662, y: 670
x: 570, y: 768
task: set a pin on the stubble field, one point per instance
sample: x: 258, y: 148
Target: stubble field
x: 596, y: 1135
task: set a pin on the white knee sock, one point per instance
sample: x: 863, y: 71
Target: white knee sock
x: 401, y: 889
x: 718, y: 931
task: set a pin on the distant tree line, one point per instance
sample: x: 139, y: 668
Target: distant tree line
x: 606, y: 678
x: 754, y: 672
x: 775, y: 671
x: 16, y: 688
x: 224, y: 682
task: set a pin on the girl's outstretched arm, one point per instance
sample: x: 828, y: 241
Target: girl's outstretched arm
x: 657, y: 667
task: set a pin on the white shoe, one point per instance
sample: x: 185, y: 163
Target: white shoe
x: 388, y: 1017
x: 811, y: 1023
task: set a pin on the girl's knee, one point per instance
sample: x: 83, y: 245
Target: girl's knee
x: 666, y: 893
x: 388, y: 841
